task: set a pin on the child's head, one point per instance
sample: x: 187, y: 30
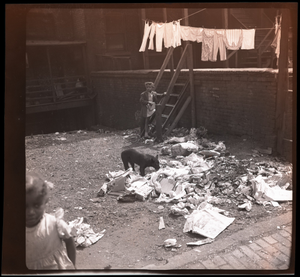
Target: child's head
x: 36, y: 198
x: 149, y: 86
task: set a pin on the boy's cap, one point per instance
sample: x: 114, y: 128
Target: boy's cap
x: 149, y: 84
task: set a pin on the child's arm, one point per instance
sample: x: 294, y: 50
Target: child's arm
x: 161, y: 94
x: 71, y: 249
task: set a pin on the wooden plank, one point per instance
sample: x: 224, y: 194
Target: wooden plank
x: 50, y: 72
x: 58, y: 106
x: 158, y: 123
x: 163, y: 67
x: 282, y: 85
x: 191, y: 80
x: 175, y: 76
x: 225, y: 25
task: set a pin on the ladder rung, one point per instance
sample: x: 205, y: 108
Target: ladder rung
x: 179, y: 84
x: 170, y: 105
x: 174, y: 94
x: 164, y: 115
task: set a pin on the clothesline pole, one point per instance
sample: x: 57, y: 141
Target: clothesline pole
x: 282, y: 85
x: 191, y: 78
x: 225, y: 23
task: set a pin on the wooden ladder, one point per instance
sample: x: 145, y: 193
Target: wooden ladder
x: 175, y: 103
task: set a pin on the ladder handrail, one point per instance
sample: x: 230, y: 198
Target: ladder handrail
x: 175, y: 75
x: 163, y: 67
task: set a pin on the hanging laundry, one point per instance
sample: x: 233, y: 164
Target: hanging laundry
x: 207, y: 44
x: 168, y: 36
x: 248, y: 39
x: 159, y: 33
x: 233, y: 38
x: 152, y: 33
x: 276, y: 42
x: 172, y: 34
x: 219, y: 45
x: 188, y: 33
x: 147, y: 29
x: 176, y: 30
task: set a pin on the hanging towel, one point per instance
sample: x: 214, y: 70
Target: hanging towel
x: 159, y: 33
x: 248, y: 39
x: 207, y: 44
x: 152, y: 33
x: 147, y: 29
x: 219, y: 45
x: 188, y: 33
x: 233, y: 38
x: 169, y: 35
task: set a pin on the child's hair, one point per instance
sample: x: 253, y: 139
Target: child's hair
x: 34, y: 182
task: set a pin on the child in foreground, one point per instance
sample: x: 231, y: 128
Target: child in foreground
x: 48, y: 246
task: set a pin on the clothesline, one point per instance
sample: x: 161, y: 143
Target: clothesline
x: 202, y: 26
x: 192, y: 14
x: 160, y: 22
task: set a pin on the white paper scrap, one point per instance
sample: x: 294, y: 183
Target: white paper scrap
x: 207, y: 223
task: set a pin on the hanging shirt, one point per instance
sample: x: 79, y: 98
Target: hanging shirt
x: 248, y: 39
x: 207, y: 44
x: 176, y: 30
x: 159, y: 33
x: 147, y: 29
x: 233, y: 38
x: 219, y: 45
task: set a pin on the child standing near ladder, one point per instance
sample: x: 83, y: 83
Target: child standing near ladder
x: 148, y: 101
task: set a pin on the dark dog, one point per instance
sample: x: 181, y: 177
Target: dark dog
x: 143, y: 160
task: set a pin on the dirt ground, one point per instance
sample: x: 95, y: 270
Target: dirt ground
x: 77, y: 163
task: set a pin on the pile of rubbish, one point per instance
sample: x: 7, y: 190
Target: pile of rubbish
x: 202, y: 173
x: 83, y: 234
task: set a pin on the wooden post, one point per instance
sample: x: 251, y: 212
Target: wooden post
x: 282, y: 85
x: 186, y: 23
x: 83, y: 48
x: 225, y: 24
x: 145, y: 56
x: 158, y: 123
x: 191, y: 77
x: 50, y: 72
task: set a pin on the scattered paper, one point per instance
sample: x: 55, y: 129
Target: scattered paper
x: 200, y: 242
x: 83, y: 234
x: 207, y: 223
x: 161, y: 223
x: 262, y: 191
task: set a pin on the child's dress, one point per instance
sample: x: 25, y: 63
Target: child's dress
x: 45, y: 248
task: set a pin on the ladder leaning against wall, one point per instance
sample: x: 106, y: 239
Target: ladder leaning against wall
x: 173, y: 105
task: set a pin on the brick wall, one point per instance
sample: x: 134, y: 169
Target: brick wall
x: 228, y: 101
x: 239, y: 102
